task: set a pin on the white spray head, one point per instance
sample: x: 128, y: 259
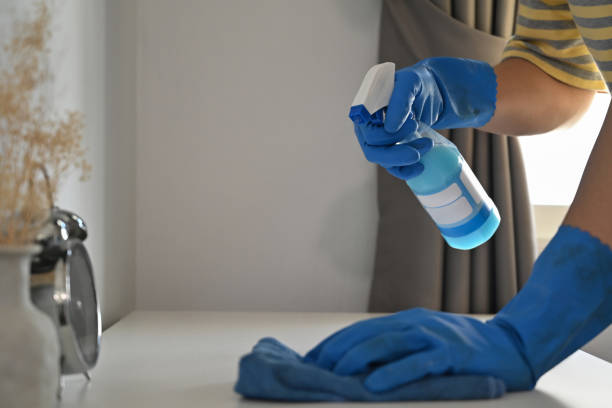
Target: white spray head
x: 375, y: 90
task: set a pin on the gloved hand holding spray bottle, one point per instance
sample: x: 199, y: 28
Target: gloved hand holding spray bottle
x: 439, y: 177
x: 566, y: 301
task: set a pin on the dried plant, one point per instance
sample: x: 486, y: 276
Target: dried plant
x: 37, y: 147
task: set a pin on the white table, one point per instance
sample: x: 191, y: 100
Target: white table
x: 190, y: 359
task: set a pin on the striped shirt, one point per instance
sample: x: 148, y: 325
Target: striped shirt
x: 571, y: 40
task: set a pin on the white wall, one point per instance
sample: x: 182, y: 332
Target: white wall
x: 120, y: 150
x: 94, y: 70
x: 251, y: 193
x: 552, y: 182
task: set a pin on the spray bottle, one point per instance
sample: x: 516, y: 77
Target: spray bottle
x: 447, y: 188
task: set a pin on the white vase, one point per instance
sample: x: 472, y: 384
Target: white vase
x: 29, y: 347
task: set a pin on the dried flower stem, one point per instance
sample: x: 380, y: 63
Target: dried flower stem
x: 37, y: 147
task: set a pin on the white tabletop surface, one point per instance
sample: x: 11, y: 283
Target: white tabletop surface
x: 190, y: 359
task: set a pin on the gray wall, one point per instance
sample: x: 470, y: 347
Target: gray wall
x: 88, y: 38
x: 230, y: 119
x: 224, y: 170
x: 251, y: 192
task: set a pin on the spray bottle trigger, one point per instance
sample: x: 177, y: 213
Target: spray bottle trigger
x: 360, y: 115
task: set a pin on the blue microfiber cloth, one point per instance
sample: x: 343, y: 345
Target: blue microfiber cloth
x: 273, y: 371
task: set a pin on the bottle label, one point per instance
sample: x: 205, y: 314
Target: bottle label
x: 460, y: 208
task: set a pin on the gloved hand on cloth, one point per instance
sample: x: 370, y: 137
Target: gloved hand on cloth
x: 422, y: 354
x: 272, y: 371
x: 565, y: 303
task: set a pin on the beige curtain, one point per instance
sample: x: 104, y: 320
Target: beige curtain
x: 414, y: 267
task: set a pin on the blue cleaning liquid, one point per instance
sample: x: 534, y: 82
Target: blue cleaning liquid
x: 452, y: 195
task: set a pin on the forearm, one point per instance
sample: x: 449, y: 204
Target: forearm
x: 592, y: 205
x: 529, y: 101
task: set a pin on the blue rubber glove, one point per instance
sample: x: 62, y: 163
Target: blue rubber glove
x: 566, y: 302
x: 275, y: 372
x: 444, y: 93
x: 440, y: 92
x: 393, y: 151
x: 416, y: 343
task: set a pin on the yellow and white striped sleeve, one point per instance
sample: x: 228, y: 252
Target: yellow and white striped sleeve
x: 547, y: 36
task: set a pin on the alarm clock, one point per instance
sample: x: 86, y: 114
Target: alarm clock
x: 62, y: 286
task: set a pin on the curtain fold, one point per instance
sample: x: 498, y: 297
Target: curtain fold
x: 413, y: 266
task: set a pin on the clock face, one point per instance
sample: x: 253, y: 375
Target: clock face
x: 83, y: 312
